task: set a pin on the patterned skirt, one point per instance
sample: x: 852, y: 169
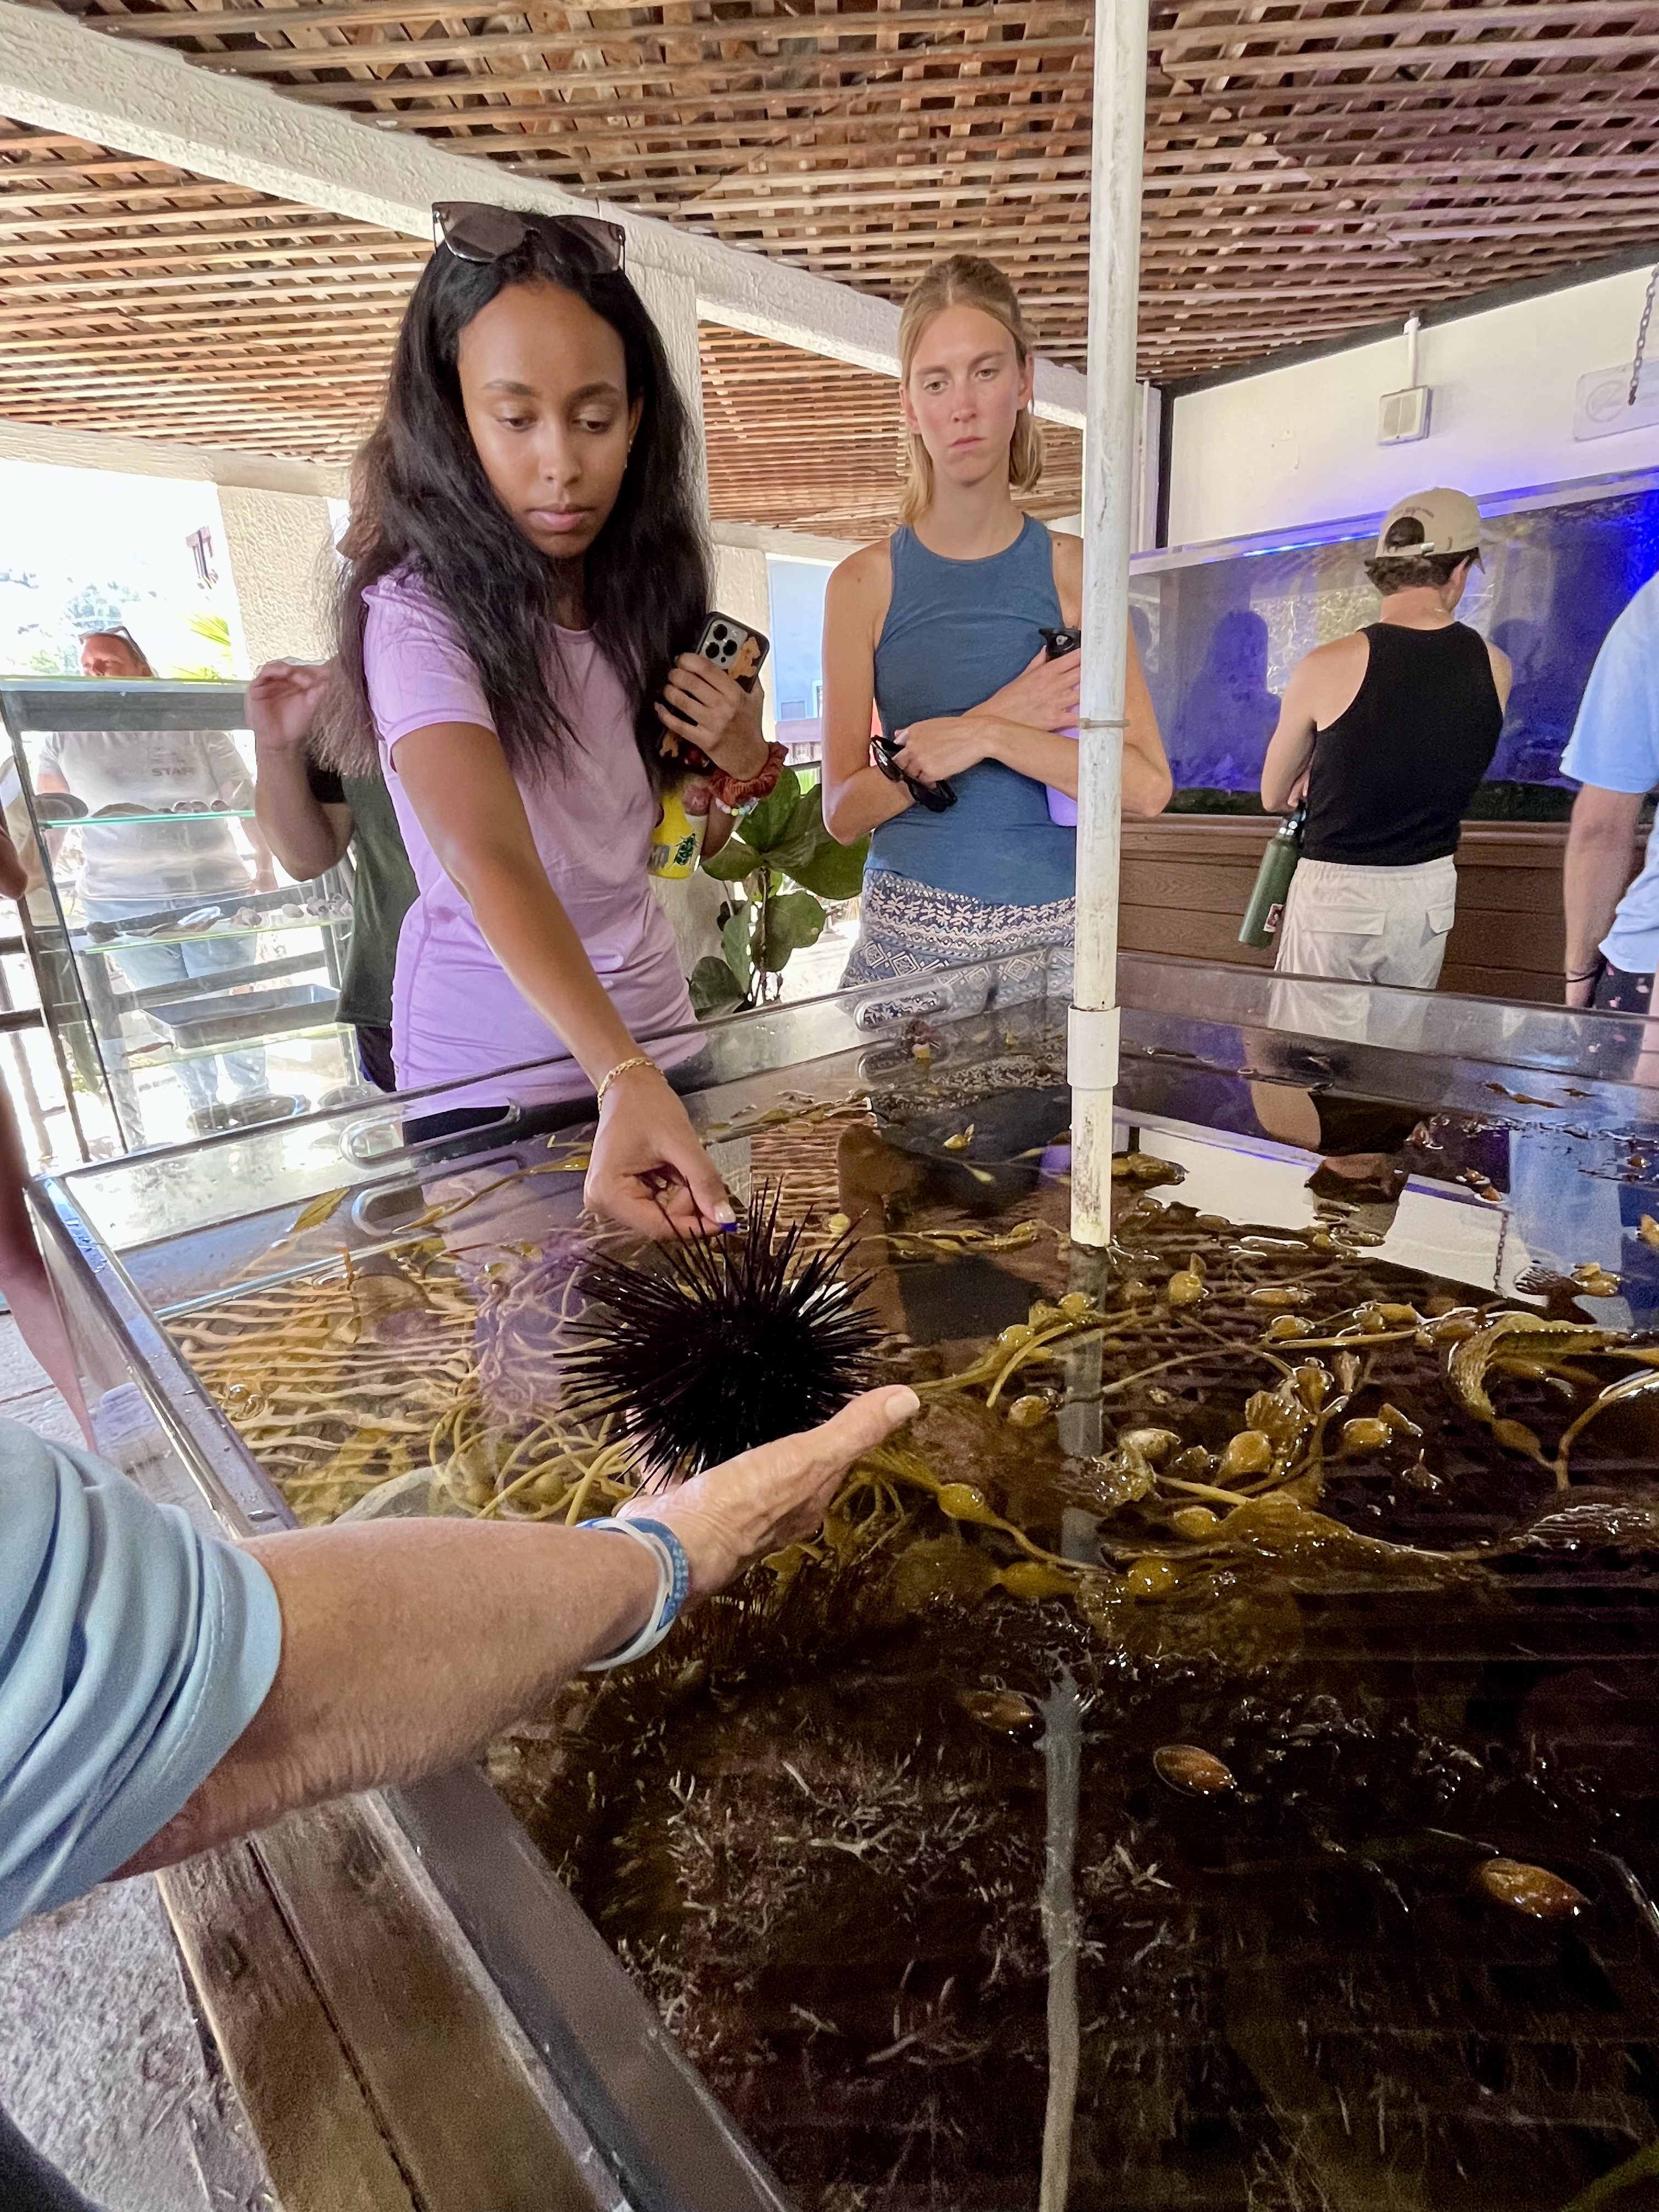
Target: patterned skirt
x: 906, y: 927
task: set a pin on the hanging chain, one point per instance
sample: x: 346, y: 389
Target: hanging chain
x: 1642, y: 337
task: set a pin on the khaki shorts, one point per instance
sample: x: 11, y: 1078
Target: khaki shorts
x: 1368, y: 925
x: 1355, y: 925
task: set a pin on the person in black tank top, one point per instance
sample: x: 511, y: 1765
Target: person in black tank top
x: 1386, y: 734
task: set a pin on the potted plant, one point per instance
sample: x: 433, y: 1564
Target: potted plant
x: 780, y: 843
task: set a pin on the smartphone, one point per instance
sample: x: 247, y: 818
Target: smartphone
x: 734, y: 647
x: 1062, y: 807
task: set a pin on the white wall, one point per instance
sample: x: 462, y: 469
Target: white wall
x: 1298, y: 445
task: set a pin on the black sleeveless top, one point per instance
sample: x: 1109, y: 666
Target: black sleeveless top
x: 1391, y: 776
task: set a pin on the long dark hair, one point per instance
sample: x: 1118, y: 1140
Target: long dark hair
x: 422, y: 500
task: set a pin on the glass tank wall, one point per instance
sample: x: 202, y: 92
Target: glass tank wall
x: 1221, y: 627
x: 1208, y: 1759
x: 187, y: 984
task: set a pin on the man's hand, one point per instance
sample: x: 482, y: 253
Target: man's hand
x: 283, y: 701
x: 765, y: 1498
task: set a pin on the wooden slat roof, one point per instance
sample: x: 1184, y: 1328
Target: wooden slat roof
x: 153, y: 303
x: 1313, y: 168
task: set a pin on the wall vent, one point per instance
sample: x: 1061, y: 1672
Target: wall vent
x: 1403, y: 415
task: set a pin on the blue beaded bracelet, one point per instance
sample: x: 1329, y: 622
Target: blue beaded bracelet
x: 673, y: 1587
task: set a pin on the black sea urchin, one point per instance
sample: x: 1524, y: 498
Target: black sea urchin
x: 719, y: 1344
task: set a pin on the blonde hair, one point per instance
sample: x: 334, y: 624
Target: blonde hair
x: 965, y: 281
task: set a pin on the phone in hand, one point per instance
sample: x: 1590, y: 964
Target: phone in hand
x: 734, y: 647
x: 1062, y: 807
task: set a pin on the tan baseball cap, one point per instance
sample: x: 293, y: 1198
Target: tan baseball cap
x: 1450, y: 521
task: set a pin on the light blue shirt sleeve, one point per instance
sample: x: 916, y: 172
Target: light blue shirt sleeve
x: 134, y: 1650
x: 1615, y: 740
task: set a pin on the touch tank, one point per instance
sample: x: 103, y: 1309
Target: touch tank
x: 1208, y: 1759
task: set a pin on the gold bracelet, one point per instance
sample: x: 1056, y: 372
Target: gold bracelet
x: 639, y: 1059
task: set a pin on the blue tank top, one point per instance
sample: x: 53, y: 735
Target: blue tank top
x: 957, y: 631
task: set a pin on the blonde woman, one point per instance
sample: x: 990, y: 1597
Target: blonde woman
x: 940, y: 629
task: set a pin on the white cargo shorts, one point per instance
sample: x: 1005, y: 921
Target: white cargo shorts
x: 1368, y: 925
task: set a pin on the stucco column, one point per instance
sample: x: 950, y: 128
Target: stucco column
x: 742, y: 588
x: 279, y: 547
x: 671, y: 298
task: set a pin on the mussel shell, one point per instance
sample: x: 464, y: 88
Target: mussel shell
x: 1531, y: 1890
x: 1187, y: 1767
x: 1005, y: 1711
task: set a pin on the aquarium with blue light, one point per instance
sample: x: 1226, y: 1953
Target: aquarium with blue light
x: 1220, y: 627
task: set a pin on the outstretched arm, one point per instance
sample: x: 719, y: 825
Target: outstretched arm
x: 408, y: 1645
x: 456, y: 779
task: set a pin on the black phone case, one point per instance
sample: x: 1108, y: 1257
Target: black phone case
x: 1058, y: 642
x: 724, y: 638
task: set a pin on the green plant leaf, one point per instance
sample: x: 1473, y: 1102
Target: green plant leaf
x: 800, y: 832
x: 795, y: 920
x: 735, y: 945
x: 714, y: 988
x: 735, y: 860
x: 833, y: 871
x: 770, y: 823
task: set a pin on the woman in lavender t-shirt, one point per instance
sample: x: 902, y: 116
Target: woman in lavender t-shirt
x: 526, y: 569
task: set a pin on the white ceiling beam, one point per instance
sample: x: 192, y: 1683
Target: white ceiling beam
x: 141, y: 99
x: 149, y: 456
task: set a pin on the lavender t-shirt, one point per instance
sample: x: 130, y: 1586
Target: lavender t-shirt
x: 455, y: 1011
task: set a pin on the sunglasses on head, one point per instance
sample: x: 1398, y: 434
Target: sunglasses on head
x: 475, y: 231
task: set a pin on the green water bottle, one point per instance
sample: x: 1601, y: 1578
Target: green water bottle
x: 1266, y: 910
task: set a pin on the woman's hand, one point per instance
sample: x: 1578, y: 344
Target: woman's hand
x: 935, y: 751
x: 647, y: 1170
x: 283, y: 701
x: 710, y: 709
x: 763, y: 1499
x: 1044, y: 694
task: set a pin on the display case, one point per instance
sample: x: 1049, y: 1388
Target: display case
x: 1209, y: 1761
x: 187, y: 985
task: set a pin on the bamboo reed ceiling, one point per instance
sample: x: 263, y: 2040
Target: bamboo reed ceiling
x: 1312, y: 168
x: 161, y: 305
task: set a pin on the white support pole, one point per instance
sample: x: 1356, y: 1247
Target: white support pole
x: 1108, y: 506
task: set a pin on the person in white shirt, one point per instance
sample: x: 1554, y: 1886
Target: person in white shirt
x: 1613, y: 924
x: 134, y: 869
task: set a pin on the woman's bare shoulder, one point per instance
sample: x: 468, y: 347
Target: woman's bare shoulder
x: 871, y: 566
x: 1066, y: 550
x: 862, y: 584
